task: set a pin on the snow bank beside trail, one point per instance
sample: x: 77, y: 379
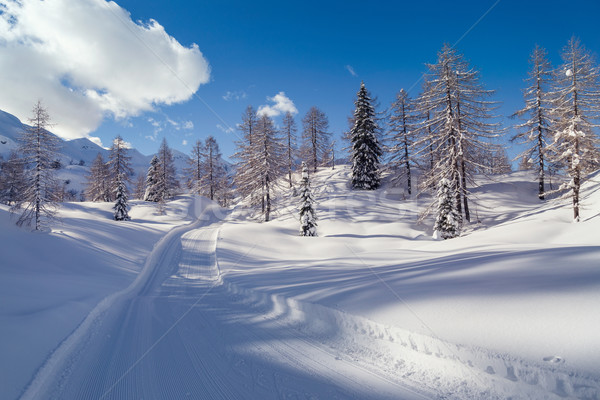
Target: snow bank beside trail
x: 453, y: 371
x: 51, y: 281
x: 521, y: 285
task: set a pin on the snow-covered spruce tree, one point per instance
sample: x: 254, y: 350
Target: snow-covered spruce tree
x: 168, y: 180
x: 535, y: 131
x: 576, y: 99
x: 447, y: 221
x: 289, y: 133
x: 308, y: 218
x: 98, y: 181
x: 403, y: 129
x: 38, y: 148
x: 120, y: 170
x: 12, y: 179
x: 120, y: 207
x: 315, y: 138
x: 460, y: 119
x: 366, y: 149
x: 153, y: 183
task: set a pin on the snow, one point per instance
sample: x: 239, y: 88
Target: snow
x: 208, y: 303
x: 50, y: 282
x: 523, y: 284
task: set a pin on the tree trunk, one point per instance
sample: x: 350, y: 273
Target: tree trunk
x: 464, y: 192
x: 268, y: 200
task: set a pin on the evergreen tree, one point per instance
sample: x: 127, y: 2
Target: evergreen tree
x: 536, y: 129
x: 120, y: 206
x: 447, y: 222
x: 315, y: 138
x: 38, y: 148
x: 459, y: 123
x: 119, y: 163
x: 153, y: 183
x: 289, y: 133
x: 98, y: 181
x: 366, y: 149
x: 308, y: 219
x: 119, y: 166
x: 168, y: 179
x: 403, y: 127
x: 12, y: 179
x: 576, y: 105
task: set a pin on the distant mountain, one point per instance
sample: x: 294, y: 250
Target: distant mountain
x: 76, y: 155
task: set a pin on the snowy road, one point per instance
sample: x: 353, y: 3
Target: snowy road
x: 181, y: 335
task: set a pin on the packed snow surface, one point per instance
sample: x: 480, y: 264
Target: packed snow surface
x: 207, y: 303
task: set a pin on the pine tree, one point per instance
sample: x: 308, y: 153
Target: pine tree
x: 120, y: 206
x: 119, y: 163
x: 447, y: 222
x: 289, y: 133
x: 460, y: 115
x: 308, y: 219
x: 12, y: 179
x: 576, y: 104
x: 38, y: 148
x: 195, y: 170
x: 403, y: 129
x: 536, y: 129
x: 366, y: 150
x: 120, y: 169
x: 315, y: 138
x: 98, y: 181
x: 153, y: 183
x: 168, y: 179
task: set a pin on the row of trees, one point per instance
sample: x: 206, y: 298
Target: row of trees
x: 448, y: 131
x: 266, y: 153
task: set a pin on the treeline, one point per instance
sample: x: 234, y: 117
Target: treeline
x: 445, y: 135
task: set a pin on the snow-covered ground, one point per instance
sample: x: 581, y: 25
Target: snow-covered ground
x: 512, y: 307
x: 50, y: 281
x: 224, y: 307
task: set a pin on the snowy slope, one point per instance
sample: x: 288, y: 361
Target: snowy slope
x: 373, y: 308
x: 515, y: 299
x: 50, y: 282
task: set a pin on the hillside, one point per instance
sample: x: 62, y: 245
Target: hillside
x: 515, y: 299
x: 372, y: 308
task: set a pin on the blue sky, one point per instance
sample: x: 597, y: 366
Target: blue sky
x: 306, y: 49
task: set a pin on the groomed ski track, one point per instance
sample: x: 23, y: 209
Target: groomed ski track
x: 178, y: 333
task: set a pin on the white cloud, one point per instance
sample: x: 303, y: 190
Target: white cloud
x: 184, y: 142
x: 351, y: 70
x: 282, y: 105
x: 188, y: 125
x: 87, y: 59
x: 237, y: 95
